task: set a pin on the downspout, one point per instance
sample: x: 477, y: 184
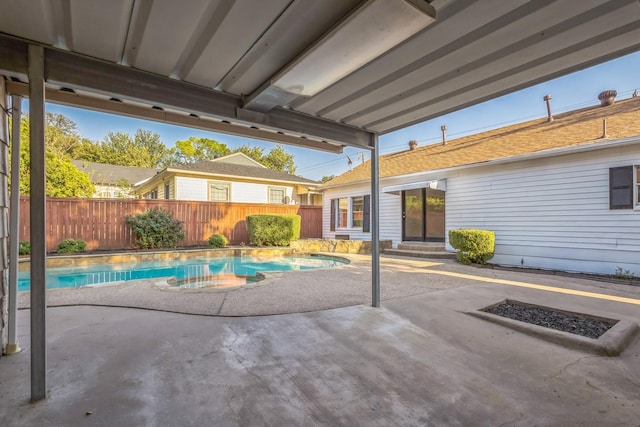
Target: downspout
x: 14, y: 223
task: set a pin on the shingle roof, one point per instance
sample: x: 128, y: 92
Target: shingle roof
x: 241, y: 171
x: 573, y: 128
x: 102, y: 173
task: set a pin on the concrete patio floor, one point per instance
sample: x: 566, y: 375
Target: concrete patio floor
x: 418, y: 360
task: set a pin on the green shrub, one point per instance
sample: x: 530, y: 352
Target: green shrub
x: 473, y: 245
x: 72, y: 246
x: 156, y: 228
x: 217, y: 241
x: 273, y: 229
x: 24, y: 248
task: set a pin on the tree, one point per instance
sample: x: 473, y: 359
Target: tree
x: 255, y: 153
x: 327, y: 178
x: 143, y: 150
x: 277, y: 159
x: 61, y: 135
x: 63, y: 179
x: 195, y: 149
x: 66, y: 180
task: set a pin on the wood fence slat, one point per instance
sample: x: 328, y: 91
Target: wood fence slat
x: 101, y: 222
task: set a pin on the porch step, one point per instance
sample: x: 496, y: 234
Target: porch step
x: 427, y: 250
x: 422, y: 246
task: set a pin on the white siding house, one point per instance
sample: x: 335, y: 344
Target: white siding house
x: 235, y: 178
x: 571, y: 206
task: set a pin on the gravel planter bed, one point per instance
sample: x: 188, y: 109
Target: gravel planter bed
x: 585, y: 326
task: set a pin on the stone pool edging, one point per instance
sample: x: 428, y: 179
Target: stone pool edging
x: 361, y: 247
x: 131, y: 257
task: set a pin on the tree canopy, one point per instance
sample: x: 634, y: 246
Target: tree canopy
x: 195, y: 149
x: 144, y: 149
x: 63, y: 179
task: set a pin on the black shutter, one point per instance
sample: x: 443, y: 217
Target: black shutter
x: 366, y: 213
x: 621, y: 187
x: 332, y: 227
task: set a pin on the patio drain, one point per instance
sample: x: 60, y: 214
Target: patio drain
x: 581, y: 331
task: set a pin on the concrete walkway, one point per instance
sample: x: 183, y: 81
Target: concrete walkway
x: 419, y: 360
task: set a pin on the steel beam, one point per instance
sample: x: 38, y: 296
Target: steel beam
x: 81, y: 72
x: 375, y: 223
x: 131, y: 110
x: 37, y: 225
x: 14, y: 219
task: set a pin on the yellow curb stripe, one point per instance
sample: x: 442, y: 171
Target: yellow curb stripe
x: 539, y: 287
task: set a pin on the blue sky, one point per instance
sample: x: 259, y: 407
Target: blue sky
x: 570, y: 92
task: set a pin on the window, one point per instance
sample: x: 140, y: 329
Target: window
x: 277, y: 195
x: 153, y: 194
x: 219, y: 191
x: 354, y: 208
x: 638, y: 185
x: 166, y: 190
x: 357, y: 213
x: 621, y: 187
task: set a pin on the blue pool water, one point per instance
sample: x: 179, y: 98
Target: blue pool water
x: 195, y: 270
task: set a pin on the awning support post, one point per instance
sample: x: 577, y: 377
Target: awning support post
x: 14, y: 222
x: 37, y: 225
x: 375, y: 223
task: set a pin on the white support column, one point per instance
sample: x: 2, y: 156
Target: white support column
x: 37, y: 225
x: 375, y: 223
x: 14, y: 218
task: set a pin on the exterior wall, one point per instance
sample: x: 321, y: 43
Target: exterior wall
x: 191, y: 188
x: 4, y: 213
x: 241, y: 192
x: 390, y: 214
x: 551, y: 213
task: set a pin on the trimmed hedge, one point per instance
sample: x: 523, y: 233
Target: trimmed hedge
x: 273, y: 229
x: 473, y: 245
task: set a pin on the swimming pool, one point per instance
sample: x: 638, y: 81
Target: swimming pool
x: 192, y: 273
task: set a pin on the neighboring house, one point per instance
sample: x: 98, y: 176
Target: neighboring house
x: 234, y: 178
x: 113, y: 181
x: 559, y: 194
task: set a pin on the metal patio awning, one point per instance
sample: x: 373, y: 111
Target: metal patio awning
x: 251, y: 68
x: 216, y: 63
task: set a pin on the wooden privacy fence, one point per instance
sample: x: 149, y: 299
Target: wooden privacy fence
x: 101, y: 222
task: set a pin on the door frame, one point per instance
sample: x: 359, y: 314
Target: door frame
x: 423, y: 237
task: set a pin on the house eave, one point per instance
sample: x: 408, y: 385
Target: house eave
x: 176, y: 171
x: 561, y: 151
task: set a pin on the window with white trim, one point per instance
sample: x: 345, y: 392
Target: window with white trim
x: 357, y: 211
x: 278, y: 195
x: 350, y: 212
x: 219, y: 191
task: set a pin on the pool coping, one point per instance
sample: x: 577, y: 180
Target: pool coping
x: 164, y: 255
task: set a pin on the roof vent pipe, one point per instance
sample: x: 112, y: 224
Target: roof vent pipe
x: 607, y: 97
x: 443, y: 128
x: 604, y: 129
x: 547, y: 99
x: 412, y: 145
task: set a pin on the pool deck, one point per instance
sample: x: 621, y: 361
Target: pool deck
x: 418, y: 360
